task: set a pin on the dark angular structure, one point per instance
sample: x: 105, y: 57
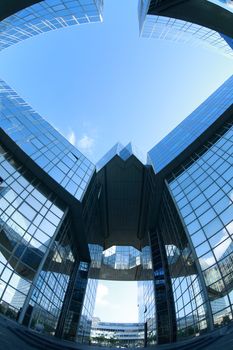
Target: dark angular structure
x: 66, y: 223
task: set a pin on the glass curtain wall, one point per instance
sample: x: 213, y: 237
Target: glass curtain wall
x: 29, y: 217
x: 44, y: 144
x: 146, y: 299
x: 48, y: 15
x: 82, y: 294
x: 188, y: 295
x: 48, y: 296
x: 84, y: 330
x: 146, y: 310
x: 202, y: 189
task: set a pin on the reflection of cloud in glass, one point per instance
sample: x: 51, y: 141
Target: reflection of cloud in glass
x: 219, y: 251
x: 72, y: 138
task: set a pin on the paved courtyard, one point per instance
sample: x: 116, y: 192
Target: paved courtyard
x: 15, y: 337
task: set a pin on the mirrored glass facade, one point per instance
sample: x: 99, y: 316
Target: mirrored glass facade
x: 44, y: 144
x: 120, y: 263
x: 167, y: 28
x: 147, y: 310
x: 35, y: 249
x: 84, y: 330
x: 65, y: 224
x: 40, y: 261
x: 124, y: 152
x: 202, y: 190
x: 190, y: 300
x: 120, y: 257
x: 51, y: 285
x: 191, y: 127
x: 48, y: 15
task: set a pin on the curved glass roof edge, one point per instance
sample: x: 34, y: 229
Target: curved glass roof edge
x: 45, y: 16
x: 198, y: 121
x: 44, y: 144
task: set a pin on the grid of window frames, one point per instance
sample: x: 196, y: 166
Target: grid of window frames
x: 43, y: 144
x: 81, y: 303
x: 124, y: 152
x: 188, y: 295
x: 192, y: 126
x: 51, y: 285
x: 84, y: 330
x: 146, y: 296
x: 48, y: 15
x: 159, y: 27
x: 122, y: 257
x: 147, y: 309
x: 29, y: 218
x: 96, y: 252
x: 203, y: 192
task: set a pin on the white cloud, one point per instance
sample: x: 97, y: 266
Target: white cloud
x: 102, y: 294
x: 223, y: 244
x: 86, y: 143
x: 72, y: 138
x: 117, y: 301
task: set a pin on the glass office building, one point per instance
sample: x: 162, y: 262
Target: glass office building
x: 192, y: 127
x: 43, y: 177
x: 202, y: 190
x: 47, y: 15
x: 43, y: 144
x: 156, y: 22
x: 35, y: 245
x: 49, y: 274
x: 66, y: 223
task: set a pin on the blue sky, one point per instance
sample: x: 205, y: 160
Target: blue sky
x: 117, y: 301
x: 100, y: 83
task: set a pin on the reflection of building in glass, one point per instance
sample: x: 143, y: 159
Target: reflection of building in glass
x: 60, y: 157
x: 19, y: 297
x: 122, y: 258
x: 201, y: 189
x: 39, y: 251
x: 3, y: 190
x: 147, y: 309
x: 54, y: 247
x: 65, y: 224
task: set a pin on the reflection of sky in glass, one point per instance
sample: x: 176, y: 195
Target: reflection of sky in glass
x: 43, y: 144
x: 124, y: 152
x: 203, y: 193
x: 122, y: 257
x: 192, y: 127
x: 226, y: 4
x: 48, y: 15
